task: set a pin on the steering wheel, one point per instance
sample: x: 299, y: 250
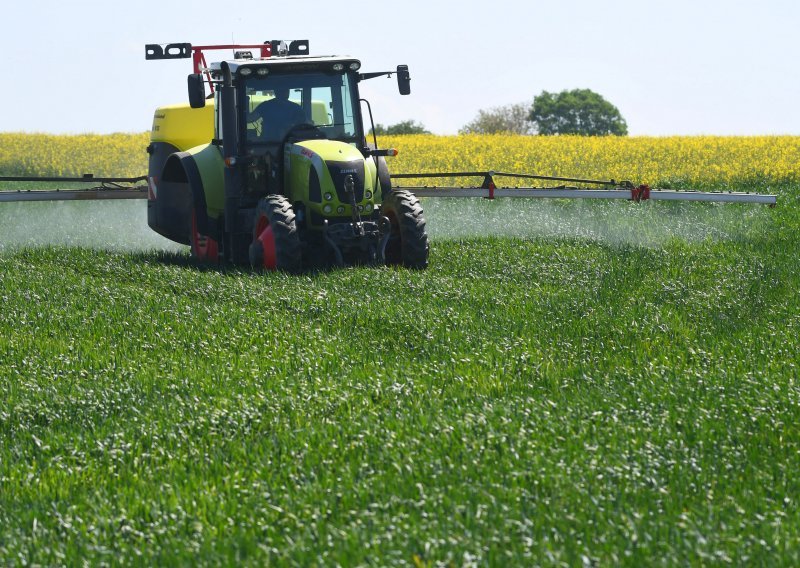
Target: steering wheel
x: 311, y: 132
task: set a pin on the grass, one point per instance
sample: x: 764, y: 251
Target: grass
x: 569, y: 383
x: 626, y: 395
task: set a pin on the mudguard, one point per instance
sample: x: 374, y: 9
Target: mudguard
x: 384, y: 178
x: 188, y: 179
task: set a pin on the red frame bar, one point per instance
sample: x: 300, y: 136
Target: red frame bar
x: 641, y: 193
x: 199, y: 58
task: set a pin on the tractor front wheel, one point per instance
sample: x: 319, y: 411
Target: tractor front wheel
x: 203, y: 247
x: 276, y: 242
x: 408, y: 241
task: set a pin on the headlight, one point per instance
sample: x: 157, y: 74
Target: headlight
x: 245, y: 71
x: 368, y: 195
x: 368, y: 207
x: 262, y: 71
x: 340, y: 209
x: 328, y: 196
x: 328, y: 209
x: 355, y: 66
x: 338, y: 66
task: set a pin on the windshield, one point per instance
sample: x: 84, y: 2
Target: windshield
x: 278, y: 102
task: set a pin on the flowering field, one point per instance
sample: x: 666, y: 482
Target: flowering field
x: 706, y: 161
x: 119, y: 155
x: 698, y: 161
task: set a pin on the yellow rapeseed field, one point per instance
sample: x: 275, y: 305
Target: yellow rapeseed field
x: 702, y: 161
x: 119, y: 155
x: 678, y: 161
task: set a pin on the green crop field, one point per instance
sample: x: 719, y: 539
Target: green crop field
x: 568, y: 384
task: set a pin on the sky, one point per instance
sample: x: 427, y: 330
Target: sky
x: 674, y: 67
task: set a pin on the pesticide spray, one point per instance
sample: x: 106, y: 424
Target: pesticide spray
x: 615, y: 223
x: 122, y: 225
x: 102, y: 225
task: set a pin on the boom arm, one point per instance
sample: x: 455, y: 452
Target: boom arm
x: 104, y: 188
x: 113, y: 188
x: 603, y: 189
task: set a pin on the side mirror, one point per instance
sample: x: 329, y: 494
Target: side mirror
x: 197, y: 91
x: 403, y: 80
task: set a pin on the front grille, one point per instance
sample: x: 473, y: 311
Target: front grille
x: 314, y: 189
x: 340, y: 170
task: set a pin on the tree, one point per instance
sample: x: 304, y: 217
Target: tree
x: 404, y: 127
x: 580, y: 111
x: 509, y: 118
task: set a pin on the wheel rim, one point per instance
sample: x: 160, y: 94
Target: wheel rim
x: 267, y: 239
x: 204, y: 247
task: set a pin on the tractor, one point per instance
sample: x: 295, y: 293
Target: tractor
x: 270, y: 164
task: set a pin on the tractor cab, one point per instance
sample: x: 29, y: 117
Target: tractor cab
x: 283, y: 101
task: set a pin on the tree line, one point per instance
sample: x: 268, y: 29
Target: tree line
x: 579, y: 111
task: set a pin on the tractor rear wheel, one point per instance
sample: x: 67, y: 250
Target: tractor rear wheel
x: 276, y: 242
x: 408, y: 241
x: 203, y: 247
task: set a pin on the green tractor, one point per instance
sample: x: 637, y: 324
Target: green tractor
x: 272, y: 167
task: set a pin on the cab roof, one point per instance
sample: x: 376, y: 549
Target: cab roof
x: 287, y: 63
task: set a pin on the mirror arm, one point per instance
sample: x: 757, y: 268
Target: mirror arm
x: 365, y: 76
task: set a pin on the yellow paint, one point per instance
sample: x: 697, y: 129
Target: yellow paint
x: 182, y: 126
